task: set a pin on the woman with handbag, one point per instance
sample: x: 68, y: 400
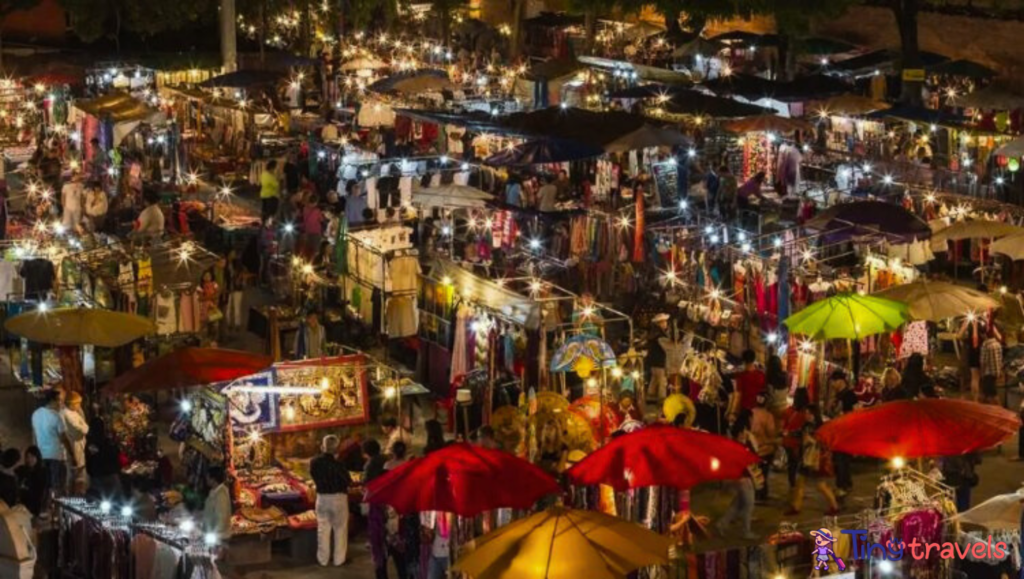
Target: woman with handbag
x: 814, y: 465
x: 742, y: 504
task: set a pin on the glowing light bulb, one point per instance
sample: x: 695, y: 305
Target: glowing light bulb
x: 898, y: 462
x: 325, y: 383
x: 186, y: 405
x: 715, y: 464
x: 187, y: 526
x: 126, y: 511
x: 390, y: 392
x: 772, y: 338
x: 105, y: 507
x: 616, y: 372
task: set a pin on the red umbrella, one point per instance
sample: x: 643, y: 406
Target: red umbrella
x: 188, y: 367
x: 918, y: 428
x: 462, y: 479
x: 662, y: 455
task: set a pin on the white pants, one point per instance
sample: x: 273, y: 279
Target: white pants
x: 234, y: 313
x: 331, y: 515
x: 71, y: 218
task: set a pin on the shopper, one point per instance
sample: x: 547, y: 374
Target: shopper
x: 915, y: 380
x: 51, y: 437
x: 959, y: 472
x: 845, y: 402
x: 892, y: 386
x: 766, y: 434
x: 395, y: 434
x: 657, y: 358
x: 77, y: 429
x: 33, y: 481
x: 377, y: 516
x: 270, y: 191
x: 9, y: 460
x: 332, y: 481
x: 102, y: 462
x: 814, y: 463
x: 150, y: 224
x: 742, y: 504
x: 793, y: 420
x: 547, y: 197
x: 217, y: 508
x: 402, y: 531
x: 72, y: 200
x: 310, y: 339
x: 750, y: 383
x: 778, y: 385
x: 435, y: 436
x: 991, y: 366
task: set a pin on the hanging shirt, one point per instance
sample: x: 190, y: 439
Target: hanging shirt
x: 39, y: 275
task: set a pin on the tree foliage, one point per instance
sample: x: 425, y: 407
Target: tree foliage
x: 95, y: 19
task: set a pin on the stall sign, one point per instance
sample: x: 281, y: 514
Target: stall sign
x: 253, y: 410
x: 913, y: 74
x: 343, y: 401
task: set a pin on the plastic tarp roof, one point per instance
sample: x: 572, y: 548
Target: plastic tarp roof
x: 815, y: 86
x: 545, y: 150
x: 118, y: 108
x: 243, y: 79
x: 882, y: 58
x: 964, y: 68
x: 518, y: 308
x: 992, y: 97
x: 692, y: 102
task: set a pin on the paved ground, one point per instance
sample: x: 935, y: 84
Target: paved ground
x: 997, y: 475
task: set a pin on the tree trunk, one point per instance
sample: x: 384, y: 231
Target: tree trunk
x: 517, y: 28
x: 263, y: 34
x: 590, y: 26
x: 228, y: 41
x: 906, y: 12
x: 787, y: 58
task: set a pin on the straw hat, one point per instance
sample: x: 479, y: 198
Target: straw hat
x: 660, y: 318
x: 825, y: 534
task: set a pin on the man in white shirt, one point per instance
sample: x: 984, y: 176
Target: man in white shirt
x: 547, y: 197
x: 217, y: 508
x: 150, y: 224
x: 50, y: 432
x: 72, y: 195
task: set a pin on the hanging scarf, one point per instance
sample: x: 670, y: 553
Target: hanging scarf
x: 638, y: 232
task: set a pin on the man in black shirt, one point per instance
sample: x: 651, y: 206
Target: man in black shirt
x: 656, y: 358
x: 332, y: 482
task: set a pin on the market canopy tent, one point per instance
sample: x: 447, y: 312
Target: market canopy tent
x: 363, y: 63
x: 919, y: 428
x: 1014, y: 148
x: 699, y: 46
x: 542, y: 151
x: 754, y: 88
x: 1011, y: 246
x: 123, y: 111
x: 992, y: 97
x: 414, y: 81
x: 517, y: 308
x: 975, y: 229
x: 699, y: 104
x: 962, y: 68
x: 847, y: 317
x: 661, y: 455
x: 768, y: 124
x: 80, y: 327
x: 187, y: 368
x: 243, y: 79
x: 934, y: 301
x: 876, y: 218
x: 821, y: 46
x: 560, y: 543
x: 849, y: 104
x: 451, y: 196
x: 463, y: 479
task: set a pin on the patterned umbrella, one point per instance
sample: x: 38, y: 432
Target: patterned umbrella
x: 583, y: 354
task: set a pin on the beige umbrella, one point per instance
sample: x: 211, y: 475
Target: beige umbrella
x: 424, y: 83
x: 978, y: 229
x: 1014, y: 148
x: 1000, y: 513
x: 934, y: 301
x: 363, y: 63
x: 1011, y: 246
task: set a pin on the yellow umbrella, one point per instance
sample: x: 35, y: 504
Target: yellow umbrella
x: 561, y: 543
x: 1011, y: 246
x: 80, y: 327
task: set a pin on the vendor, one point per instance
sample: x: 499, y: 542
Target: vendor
x: 150, y: 224
x: 656, y: 357
x: 217, y: 509
x: 310, y: 339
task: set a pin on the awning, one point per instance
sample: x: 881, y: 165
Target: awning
x: 243, y: 79
x: 515, y: 307
x: 819, y: 46
x: 815, y: 86
x: 543, y: 151
x: 881, y: 59
x: 962, y: 68
x: 118, y: 108
x: 992, y: 97
x: 451, y: 196
x: 696, y: 103
x: 414, y: 81
x: 1014, y: 148
x: 552, y: 69
x: 646, y: 137
x: 768, y: 124
x: 744, y: 38
x: 699, y: 46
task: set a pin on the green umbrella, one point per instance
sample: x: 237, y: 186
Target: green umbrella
x: 848, y: 316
